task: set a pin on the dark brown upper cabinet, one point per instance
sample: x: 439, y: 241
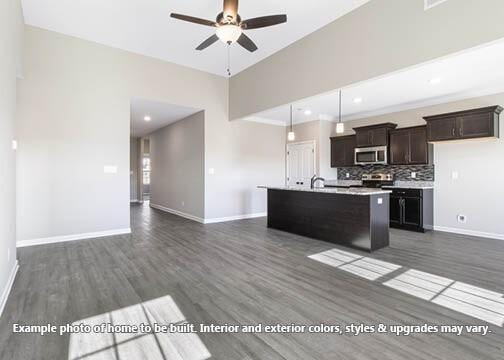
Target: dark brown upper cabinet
x: 408, y: 146
x: 460, y: 125
x: 373, y: 135
x: 342, y: 151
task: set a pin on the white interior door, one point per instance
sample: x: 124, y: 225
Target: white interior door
x: 300, y: 163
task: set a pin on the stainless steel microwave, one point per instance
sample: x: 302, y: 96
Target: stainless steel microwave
x: 371, y: 155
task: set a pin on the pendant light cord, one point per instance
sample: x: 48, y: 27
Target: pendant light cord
x: 339, y: 106
x: 291, y: 117
x: 229, y: 59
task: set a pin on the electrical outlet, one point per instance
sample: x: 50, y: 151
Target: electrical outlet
x: 380, y: 201
x: 455, y: 175
x: 211, y: 171
x: 461, y: 218
x: 413, y: 175
x: 347, y: 175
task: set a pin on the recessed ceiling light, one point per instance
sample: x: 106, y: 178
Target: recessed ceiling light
x: 307, y: 112
x: 357, y: 100
x: 147, y: 118
x: 434, y: 81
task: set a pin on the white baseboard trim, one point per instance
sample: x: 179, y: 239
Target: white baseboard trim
x: 470, y: 232
x: 234, y: 218
x: 178, y: 213
x: 64, y: 238
x: 8, y: 287
x: 207, y: 221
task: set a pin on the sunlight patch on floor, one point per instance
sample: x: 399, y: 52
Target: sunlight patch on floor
x: 125, y: 346
x: 365, y: 267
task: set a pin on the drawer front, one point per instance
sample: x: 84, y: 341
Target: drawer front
x: 417, y: 193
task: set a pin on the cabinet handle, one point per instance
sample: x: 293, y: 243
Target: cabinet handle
x: 453, y: 131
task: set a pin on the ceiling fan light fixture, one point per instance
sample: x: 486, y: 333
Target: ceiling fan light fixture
x: 228, y: 33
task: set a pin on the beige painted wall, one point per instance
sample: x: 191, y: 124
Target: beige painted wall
x: 11, y: 32
x: 74, y: 118
x: 257, y: 155
x: 178, y: 166
x: 380, y: 37
x: 74, y: 111
x: 478, y: 192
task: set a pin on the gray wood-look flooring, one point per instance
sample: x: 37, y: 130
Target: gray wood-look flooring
x: 242, y: 272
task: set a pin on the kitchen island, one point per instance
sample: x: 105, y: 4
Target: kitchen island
x: 355, y: 217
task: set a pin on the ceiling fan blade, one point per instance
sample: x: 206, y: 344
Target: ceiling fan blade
x: 193, y: 19
x: 263, y: 21
x: 248, y: 44
x: 230, y: 8
x: 207, y: 42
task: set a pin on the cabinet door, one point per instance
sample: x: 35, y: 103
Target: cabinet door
x: 419, y: 150
x: 395, y: 210
x: 412, y: 211
x: 363, y: 138
x: 399, y: 147
x: 441, y: 129
x: 337, y: 153
x: 350, y: 151
x: 473, y: 126
x: 378, y: 137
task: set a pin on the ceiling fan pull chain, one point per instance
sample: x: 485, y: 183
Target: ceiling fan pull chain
x: 229, y: 60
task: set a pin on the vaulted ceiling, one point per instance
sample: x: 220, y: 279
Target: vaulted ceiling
x: 145, y: 26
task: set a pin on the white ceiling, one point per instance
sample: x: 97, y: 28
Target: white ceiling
x: 145, y: 26
x: 474, y: 72
x: 161, y: 114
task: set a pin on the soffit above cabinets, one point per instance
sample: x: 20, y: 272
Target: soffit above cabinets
x: 471, y: 73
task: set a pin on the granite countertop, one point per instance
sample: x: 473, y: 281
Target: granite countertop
x: 351, y: 191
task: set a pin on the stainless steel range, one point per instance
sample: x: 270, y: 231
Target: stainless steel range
x: 377, y: 180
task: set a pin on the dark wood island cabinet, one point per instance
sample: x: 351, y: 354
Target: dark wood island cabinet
x: 356, y: 218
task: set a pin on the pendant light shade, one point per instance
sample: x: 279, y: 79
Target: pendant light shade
x: 291, y: 136
x: 340, y: 127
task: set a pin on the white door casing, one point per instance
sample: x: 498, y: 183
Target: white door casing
x: 300, y: 163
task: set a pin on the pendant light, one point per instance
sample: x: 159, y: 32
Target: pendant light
x: 340, y: 127
x: 291, y: 136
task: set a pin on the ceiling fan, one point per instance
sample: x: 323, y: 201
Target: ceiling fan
x: 229, y: 26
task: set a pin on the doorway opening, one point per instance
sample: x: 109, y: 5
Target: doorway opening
x: 300, y: 163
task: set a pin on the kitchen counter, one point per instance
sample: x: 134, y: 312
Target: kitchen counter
x: 410, y: 185
x: 332, y: 190
x: 356, y: 217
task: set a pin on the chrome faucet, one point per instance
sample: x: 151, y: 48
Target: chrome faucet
x: 314, y: 179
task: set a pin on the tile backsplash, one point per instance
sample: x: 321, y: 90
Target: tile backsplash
x: 400, y: 172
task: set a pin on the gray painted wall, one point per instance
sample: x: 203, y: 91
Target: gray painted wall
x: 178, y: 166
x: 379, y: 37
x: 10, y: 43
